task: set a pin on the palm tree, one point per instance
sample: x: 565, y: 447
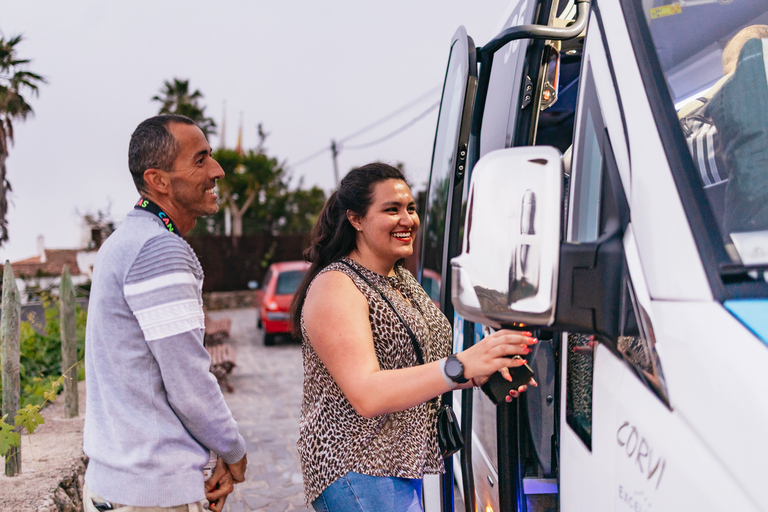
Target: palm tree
x: 176, y: 99
x: 14, y: 81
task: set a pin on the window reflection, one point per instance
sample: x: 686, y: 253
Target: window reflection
x: 446, y: 142
x: 637, y: 343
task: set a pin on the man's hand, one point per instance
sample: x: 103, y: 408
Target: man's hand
x: 218, y: 487
x: 238, y: 469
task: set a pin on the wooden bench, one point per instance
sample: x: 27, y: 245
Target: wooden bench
x: 222, y: 353
x: 216, y: 331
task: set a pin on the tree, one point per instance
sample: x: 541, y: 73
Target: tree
x: 15, y: 81
x: 256, y: 192
x: 246, y: 176
x: 286, y: 211
x: 176, y: 99
x: 99, y: 224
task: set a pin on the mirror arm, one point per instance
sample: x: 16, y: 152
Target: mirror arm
x: 540, y: 31
x: 589, y: 295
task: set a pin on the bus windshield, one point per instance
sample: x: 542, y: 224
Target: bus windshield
x: 714, y: 56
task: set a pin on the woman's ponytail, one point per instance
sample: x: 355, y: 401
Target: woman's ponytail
x: 333, y: 237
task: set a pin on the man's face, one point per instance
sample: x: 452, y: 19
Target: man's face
x: 194, y: 173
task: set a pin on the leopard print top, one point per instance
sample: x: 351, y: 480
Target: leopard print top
x: 333, y: 438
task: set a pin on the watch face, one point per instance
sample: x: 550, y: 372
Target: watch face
x: 454, y: 368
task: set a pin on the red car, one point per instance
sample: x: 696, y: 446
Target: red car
x: 274, y: 296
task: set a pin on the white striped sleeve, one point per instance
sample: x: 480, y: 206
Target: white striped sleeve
x: 156, y: 283
x: 169, y: 319
x: 163, y: 290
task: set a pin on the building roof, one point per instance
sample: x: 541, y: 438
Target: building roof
x: 55, y: 259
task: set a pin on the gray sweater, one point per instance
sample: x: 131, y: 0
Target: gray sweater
x: 153, y: 408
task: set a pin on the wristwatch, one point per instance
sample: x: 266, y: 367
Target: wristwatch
x: 454, y: 369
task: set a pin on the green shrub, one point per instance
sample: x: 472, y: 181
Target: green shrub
x: 41, y: 353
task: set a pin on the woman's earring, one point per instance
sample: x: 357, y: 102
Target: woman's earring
x: 359, y: 229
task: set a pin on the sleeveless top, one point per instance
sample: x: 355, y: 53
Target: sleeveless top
x: 333, y: 438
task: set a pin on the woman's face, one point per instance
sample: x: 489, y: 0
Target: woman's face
x: 389, y: 227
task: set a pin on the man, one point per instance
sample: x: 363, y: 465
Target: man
x: 153, y: 409
x: 696, y: 120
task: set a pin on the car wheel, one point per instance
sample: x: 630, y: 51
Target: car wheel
x: 259, y: 325
x: 269, y: 339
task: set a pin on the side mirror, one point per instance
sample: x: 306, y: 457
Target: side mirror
x: 507, y: 272
x: 514, y: 270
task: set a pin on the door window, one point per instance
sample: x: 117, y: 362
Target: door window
x: 585, y: 212
x: 637, y: 342
x: 586, y: 183
x: 447, y: 155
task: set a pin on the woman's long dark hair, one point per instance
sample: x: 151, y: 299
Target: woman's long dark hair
x: 333, y: 237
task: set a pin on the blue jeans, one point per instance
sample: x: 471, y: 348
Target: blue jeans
x: 354, y: 492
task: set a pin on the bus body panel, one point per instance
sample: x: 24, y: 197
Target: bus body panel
x: 647, y: 455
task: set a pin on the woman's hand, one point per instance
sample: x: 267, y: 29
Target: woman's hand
x: 522, y: 389
x: 494, y: 353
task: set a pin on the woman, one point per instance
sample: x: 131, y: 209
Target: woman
x: 367, y: 430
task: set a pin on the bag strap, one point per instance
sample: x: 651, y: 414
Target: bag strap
x: 416, y: 347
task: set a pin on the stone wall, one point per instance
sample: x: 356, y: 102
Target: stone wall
x: 229, y: 300
x: 68, y: 495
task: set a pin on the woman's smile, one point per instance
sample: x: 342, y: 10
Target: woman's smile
x: 404, y: 236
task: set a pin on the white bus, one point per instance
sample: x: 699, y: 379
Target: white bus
x: 580, y: 189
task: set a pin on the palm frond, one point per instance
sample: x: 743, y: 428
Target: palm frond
x: 15, y: 82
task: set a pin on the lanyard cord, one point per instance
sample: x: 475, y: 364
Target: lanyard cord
x: 146, y: 204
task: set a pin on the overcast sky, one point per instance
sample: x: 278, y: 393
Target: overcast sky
x: 309, y: 71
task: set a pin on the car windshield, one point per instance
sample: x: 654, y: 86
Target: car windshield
x: 714, y: 55
x: 287, y: 282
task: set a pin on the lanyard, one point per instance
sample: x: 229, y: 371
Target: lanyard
x: 146, y: 204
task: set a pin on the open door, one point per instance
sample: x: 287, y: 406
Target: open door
x: 440, y: 227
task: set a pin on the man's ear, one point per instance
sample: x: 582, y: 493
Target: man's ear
x: 157, y: 181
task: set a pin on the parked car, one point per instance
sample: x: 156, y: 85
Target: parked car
x: 274, y: 296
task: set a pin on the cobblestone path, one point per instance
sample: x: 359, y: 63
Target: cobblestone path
x: 266, y: 402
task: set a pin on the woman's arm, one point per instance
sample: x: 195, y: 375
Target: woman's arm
x: 336, y: 319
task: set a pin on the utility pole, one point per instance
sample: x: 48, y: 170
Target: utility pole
x: 335, y: 153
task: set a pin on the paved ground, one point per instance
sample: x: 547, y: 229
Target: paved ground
x: 266, y: 403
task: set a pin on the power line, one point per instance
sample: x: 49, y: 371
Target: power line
x: 375, y: 124
x: 312, y: 156
x: 393, y: 114
x: 402, y: 128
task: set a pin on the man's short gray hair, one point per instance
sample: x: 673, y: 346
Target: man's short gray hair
x: 153, y: 146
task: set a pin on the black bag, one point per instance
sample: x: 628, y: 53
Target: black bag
x: 449, y: 436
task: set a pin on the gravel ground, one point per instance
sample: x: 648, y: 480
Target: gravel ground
x: 54, y: 453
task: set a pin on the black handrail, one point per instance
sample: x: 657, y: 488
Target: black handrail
x: 541, y: 31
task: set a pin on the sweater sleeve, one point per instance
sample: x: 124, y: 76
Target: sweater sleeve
x: 164, y: 294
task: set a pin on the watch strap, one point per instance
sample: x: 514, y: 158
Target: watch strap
x: 446, y: 378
